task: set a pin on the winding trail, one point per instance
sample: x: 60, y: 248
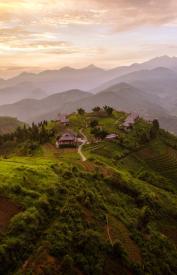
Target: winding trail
x: 85, y: 140
x: 108, y: 230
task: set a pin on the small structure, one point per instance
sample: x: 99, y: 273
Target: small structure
x: 63, y: 119
x: 111, y: 137
x: 130, y: 121
x: 67, y: 140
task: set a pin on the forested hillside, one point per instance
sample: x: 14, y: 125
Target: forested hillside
x: 9, y: 124
x: 115, y: 213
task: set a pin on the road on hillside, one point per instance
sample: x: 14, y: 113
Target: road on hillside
x: 85, y: 140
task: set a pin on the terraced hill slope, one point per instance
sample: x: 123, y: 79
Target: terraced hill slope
x: 115, y: 213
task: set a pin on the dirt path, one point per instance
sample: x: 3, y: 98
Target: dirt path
x: 83, y: 158
x: 108, y: 230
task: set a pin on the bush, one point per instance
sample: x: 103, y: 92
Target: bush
x: 118, y: 250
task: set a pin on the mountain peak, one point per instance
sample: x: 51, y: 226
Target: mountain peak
x: 92, y: 67
x: 66, y: 69
x: 164, y: 58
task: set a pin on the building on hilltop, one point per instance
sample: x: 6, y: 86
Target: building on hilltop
x: 67, y: 140
x: 111, y: 137
x: 130, y: 121
x: 62, y: 118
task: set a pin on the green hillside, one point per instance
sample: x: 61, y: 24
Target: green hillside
x: 8, y: 124
x: 115, y: 213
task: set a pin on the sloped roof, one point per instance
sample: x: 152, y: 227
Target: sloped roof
x: 131, y: 119
x: 68, y: 137
x: 111, y: 136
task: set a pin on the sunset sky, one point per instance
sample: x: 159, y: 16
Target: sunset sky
x: 48, y: 34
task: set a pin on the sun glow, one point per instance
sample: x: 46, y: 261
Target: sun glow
x: 70, y: 32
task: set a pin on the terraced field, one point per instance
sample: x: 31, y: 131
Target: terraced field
x: 165, y: 162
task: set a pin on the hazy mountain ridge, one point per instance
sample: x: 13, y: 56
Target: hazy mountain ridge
x: 121, y: 96
x: 30, y: 109
x: 157, y: 84
x: 149, y: 88
x: 67, y: 78
x: 20, y: 91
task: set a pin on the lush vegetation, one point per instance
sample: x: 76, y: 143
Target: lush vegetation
x: 116, y: 213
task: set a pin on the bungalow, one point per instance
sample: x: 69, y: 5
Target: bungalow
x: 111, y: 137
x: 67, y: 140
x: 130, y: 121
x: 63, y: 120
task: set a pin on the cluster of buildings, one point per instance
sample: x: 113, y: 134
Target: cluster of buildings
x: 126, y: 125
x: 70, y: 139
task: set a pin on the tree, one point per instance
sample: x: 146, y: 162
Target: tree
x: 144, y: 218
x: 155, y: 128
x: 96, y: 109
x: 109, y: 110
x: 67, y: 264
x: 94, y: 123
x: 101, y: 134
x: 81, y: 111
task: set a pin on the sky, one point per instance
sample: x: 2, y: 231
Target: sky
x: 36, y: 35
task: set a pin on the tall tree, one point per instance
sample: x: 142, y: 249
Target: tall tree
x: 81, y: 111
x: 109, y: 110
x: 155, y: 128
x: 96, y: 109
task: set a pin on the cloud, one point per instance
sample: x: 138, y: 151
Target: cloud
x: 40, y: 31
x: 121, y: 14
x: 127, y: 14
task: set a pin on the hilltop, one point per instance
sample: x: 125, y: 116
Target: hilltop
x: 114, y: 213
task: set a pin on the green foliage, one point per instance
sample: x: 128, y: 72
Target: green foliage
x: 109, y: 110
x: 63, y: 202
x: 26, y: 140
x: 155, y: 128
x: 97, y: 109
x: 94, y: 123
x: 99, y: 133
x: 81, y: 111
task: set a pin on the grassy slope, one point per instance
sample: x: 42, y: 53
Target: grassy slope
x: 74, y: 212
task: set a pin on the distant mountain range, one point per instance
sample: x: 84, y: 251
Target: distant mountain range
x: 29, y: 85
x: 159, y: 84
x: 121, y: 96
x: 149, y: 88
x: 30, y: 110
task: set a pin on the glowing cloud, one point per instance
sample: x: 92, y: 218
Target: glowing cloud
x: 54, y: 33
